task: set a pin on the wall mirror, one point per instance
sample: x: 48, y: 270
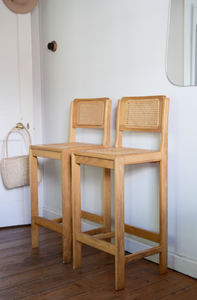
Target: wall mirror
x: 181, y: 58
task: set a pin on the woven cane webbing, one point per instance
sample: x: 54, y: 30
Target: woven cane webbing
x: 142, y: 113
x: 90, y: 113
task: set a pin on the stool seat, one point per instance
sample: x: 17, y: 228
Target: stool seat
x: 104, y: 157
x: 62, y: 146
x: 55, y: 151
x: 115, y: 151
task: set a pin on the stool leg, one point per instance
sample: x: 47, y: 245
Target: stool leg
x: 34, y: 199
x: 76, y: 213
x: 119, y: 224
x: 107, y: 200
x: 66, y: 206
x: 163, y: 257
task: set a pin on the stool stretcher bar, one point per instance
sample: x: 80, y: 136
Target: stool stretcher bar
x: 93, y: 242
x: 142, y: 254
x: 95, y: 231
x: 48, y: 223
x: 105, y: 236
x: 145, y: 234
x: 91, y: 217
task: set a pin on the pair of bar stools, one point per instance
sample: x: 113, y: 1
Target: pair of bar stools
x: 148, y: 114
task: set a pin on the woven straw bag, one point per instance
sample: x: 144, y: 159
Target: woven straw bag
x: 15, y: 170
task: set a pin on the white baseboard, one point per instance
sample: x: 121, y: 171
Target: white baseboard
x: 176, y: 262
x: 41, y: 211
x: 49, y: 214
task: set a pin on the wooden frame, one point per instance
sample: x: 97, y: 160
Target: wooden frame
x: 63, y: 152
x: 116, y: 158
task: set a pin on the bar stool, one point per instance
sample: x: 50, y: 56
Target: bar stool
x: 135, y: 114
x: 86, y: 113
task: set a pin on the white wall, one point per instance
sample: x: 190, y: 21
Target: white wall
x: 117, y: 48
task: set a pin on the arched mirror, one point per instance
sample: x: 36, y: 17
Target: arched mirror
x: 181, y: 59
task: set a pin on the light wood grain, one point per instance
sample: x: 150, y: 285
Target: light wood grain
x: 163, y: 258
x: 116, y: 158
x: 62, y: 151
x: 76, y: 213
x: 118, y: 142
x: 95, y: 231
x: 112, y: 153
x: 142, y: 158
x: 107, y: 120
x: 48, y: 223
x: 107, y: 199
x: 57, y: 220
x: 34, y: 199
x: 57, y: 148
x: 92, y: 217
x: 66, y: 206
x: 119, y: 223
x: 165, y: 116
x: 47, y: 154
x: 146, y: 234
x: 72, y: 129
x: 105, y: 236
x: 142, y: 254
x: 91, y: 161
x: 93, y: 242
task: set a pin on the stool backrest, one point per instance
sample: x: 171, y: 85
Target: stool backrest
x: 148, y: 113
x: 91, y: 113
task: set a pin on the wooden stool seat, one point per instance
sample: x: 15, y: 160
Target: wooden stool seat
x: 130, y: 155
x: 54, y: 151
x: 81, y: 114
x: 155, y: 119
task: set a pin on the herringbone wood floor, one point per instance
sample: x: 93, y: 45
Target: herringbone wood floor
x: 27, y: 273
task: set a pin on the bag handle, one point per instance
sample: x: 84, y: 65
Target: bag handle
x: 24, y: 130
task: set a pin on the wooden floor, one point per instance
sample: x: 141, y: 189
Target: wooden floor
x: 27, y: 273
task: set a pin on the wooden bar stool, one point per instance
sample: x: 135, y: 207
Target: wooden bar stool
x: 86, y: 113
x: 136, y: 114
